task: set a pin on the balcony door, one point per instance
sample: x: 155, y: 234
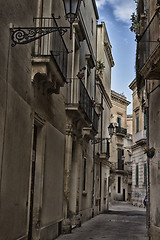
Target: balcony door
x: 36, y: 182
x: 120, y: 159
x: 34, y: 151
x: 124, y: 194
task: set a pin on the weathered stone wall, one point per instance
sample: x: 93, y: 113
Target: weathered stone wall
x: 138, y: 191
x: 20, y: 104
x: 154, y: 135
x: 16, y: 121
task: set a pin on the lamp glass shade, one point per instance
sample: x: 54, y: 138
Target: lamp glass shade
x: 110, y: 129
x: 71, y: 8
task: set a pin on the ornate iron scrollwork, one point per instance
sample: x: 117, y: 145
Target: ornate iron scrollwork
x: 29, y: 34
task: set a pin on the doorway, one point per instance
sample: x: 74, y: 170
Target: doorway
x: 34, y: 151
x: 124, y: 194
x: 36, y: 180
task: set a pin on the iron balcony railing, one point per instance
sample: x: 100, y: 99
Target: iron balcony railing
x: 140, y: 136
x: 77, y: 95
x: 148, y: 41
x: 95, y: 118
x: 120, y: 130
x: 118, y: 166
x: 103, y: 146
x: 52, y: 45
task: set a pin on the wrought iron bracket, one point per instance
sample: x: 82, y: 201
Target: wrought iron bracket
x: 99, y: 140
x: 20, y: 35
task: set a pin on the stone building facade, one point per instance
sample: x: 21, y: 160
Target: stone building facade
x: 32, y: 141
x: 120, y: 179
x: 148, y: 80
x: 103, y: 105
x: 51, y: 118
x: 81, y: 119
x: 139, y: 158
x: 129, y: 123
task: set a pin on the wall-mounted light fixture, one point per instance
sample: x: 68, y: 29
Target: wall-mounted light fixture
x: 111, y: 130
x: 24, y: 35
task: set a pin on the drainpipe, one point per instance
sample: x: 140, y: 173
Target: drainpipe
x: 100, y: 186
x: 101, y: 122
x: 148, y: 159
x: 94, y: 150
x: 93, y: 178
x: 73, y: 53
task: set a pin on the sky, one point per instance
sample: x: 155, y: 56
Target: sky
x: 116, y: 15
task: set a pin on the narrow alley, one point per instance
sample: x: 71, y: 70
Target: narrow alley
x: 123, y: 221
x: 80, y: 119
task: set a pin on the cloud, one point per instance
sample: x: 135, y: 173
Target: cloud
x: 101, y: 3
x: 122, y: 9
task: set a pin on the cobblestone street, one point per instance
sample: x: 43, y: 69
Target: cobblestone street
x: 123, y: 221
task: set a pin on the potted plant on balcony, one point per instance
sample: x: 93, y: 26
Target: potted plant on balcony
x: 100, y: 67
x: 80, y: 74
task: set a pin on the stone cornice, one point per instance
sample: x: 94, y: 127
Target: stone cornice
x: 136, y: 109
x: 119, y: 97
x: 81, y: 19
x: 147, y: 71
x: 103, y: 91
x: 133, y: 84
x: 129, y: 116
x: 95, y: 9
x: 108, y: 52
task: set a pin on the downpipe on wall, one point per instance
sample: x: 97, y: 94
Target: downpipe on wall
x: 148, y: 160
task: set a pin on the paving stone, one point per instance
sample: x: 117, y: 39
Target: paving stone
x: 123, y: 222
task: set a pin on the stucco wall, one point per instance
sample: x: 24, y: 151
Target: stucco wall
x: 154, y: 135
x: 16, y: 121
x: 19, y: 100
x: 138, y: 191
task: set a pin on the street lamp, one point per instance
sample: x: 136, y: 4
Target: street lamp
x: 110, y: 129
x: 24, y: 35
x: 71, y: 11
x: 95, y: 141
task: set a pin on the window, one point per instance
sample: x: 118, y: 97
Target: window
x: 145, y: 121
x: 120, y: 159
x: 105, y: 187
x: 84, y: 175
x: 119, y: 184
x: 145, y: 173
x: 92, y: 27
x: 137, y: 122
x: 108, y: 183
x: 108, y: 148
x: 137, y: 175
x: 34, y: 151
x: 119, y: 121
x: 88, y: 82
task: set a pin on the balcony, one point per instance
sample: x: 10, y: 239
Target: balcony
x: 118, y: 167
x: 148, y: 62
x: 79, y: 101
x: 95, y: 119
x: 140, y: 137
x: 121, y: 131
x: 50, y: 55
x: 103, y: 148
